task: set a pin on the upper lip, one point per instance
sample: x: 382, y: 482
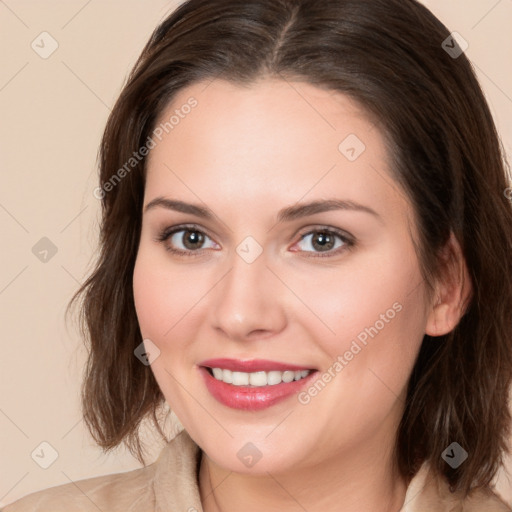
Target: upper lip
x: 252, y: 365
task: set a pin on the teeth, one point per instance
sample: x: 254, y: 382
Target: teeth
x: 240, y: 379
x: 258, y: 378
x: 217, y: 373
x: 288, y: 376
x: 274, y: 378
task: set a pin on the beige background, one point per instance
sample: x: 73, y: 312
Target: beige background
x: 53, y: 111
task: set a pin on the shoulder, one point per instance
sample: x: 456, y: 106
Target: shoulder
x: 129, y: 491
x: 169, y: 481
x: 428, y: 492
x: 484, y: 500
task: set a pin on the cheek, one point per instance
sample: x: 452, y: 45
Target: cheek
x: 164, y: 297
x: 378, y: 319
x: 151, y: 303
x: 164, y: 302
x: 380, y: 291
x: 377, y: 313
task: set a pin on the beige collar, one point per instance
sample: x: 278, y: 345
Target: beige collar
x: 176, y: 485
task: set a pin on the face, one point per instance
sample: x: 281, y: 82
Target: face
x: 267, y: 290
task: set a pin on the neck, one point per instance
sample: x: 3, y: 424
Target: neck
x: 361, y: 479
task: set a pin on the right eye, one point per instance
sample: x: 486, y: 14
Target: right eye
x: 184, y: 240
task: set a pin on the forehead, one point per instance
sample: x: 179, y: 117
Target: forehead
x: 272, y: 139
x: 267, y: 107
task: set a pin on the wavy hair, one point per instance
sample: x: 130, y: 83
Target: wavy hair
x: 391, y: 57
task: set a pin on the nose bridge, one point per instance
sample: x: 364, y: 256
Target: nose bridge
x: 242, y: 290
x: 247, y: 299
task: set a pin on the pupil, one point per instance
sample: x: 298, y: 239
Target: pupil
x: 323, y: 241
x: 192, y: 239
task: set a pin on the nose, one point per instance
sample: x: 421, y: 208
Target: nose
x: 249, y: 301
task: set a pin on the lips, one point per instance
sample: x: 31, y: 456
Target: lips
x: 252, y: 398
x: 254, y: 365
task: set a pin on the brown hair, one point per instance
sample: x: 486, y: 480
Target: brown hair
x: 388, y: 55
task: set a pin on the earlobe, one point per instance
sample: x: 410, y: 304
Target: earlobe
x: 453, y: 291
x: 441, y: 320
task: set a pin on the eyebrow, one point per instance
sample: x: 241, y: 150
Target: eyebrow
x: 285, y: 215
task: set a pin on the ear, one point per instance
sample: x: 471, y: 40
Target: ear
x: 453, y: 291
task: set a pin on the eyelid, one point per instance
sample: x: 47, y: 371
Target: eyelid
x: 315, y: 228
x: 170, y: 230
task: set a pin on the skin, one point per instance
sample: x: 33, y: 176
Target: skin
x: 245, y: 153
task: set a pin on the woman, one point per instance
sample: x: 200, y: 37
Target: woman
x: 305, y: 254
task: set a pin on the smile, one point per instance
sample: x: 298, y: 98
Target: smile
x: 253, y: 385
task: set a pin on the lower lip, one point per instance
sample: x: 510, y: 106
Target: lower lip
x: 251, y: 398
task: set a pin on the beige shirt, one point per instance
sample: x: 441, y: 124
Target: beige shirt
x: 170, y: 484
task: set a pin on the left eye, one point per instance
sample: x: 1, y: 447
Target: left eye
x: 324, y: 241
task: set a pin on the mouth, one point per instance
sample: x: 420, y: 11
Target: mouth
x: 253, y: 385
x: 257, y: 379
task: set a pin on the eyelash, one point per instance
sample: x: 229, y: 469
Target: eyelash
x: 349, y: 243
